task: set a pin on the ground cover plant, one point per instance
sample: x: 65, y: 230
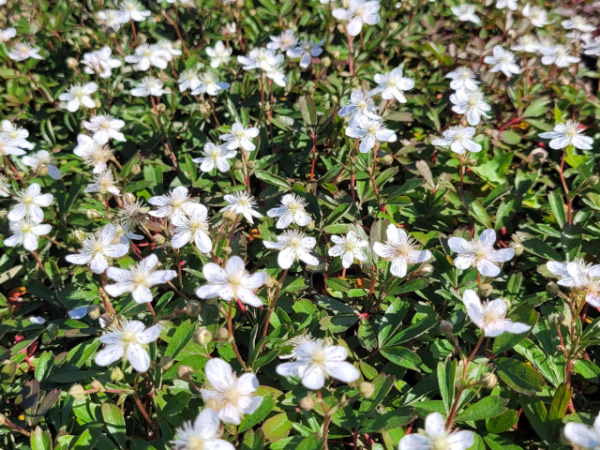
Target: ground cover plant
x: 299, y: 225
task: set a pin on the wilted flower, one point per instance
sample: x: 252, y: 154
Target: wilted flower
x: 436, y: 436
x: 96, y: 250
x: 568, y: 133
x: 459, y: 139
x: 293, y: 245
x: 392, y: 85
x: 349, y: 248
x: 401, y: 250
x: 219, y: 54
x: 241, y: 203
x: 357, y: 13
x: 78, y: 95
x: 25, y: 232
x: 504, y: 61
x: 491, y: 316
x: 203, y: 434
x: 480, y: 253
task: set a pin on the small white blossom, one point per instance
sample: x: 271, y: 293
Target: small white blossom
x: 276, y: 74
x: 463, y: 78
x: 100, y: 62
x: 176, y: 202
x: 78, y: 95
x: 459, y: 139
x: 358, y: 13
x: 260, y: 58
x: 349, y: 248
x: 293, y: 245
x: 240, y: 137
x: 148, y: 86
x: 110, y: 19
x: 283, y: 42
x: 292, y: 210
x: 9, y: 147
x: 7, y: 34
x: 189, y: 79
x: 582, y: 436
x: 210, y: 84
x: 578, y: 23
x: 435, y: 436
x: 306, y: 50
x: 471, y: 103
x: 93, y: 154
x: 215, y: 156
x: 480, y: 253
x: 233, y: 282
x: 360, y: 104
x: 568, y: 133
x: 491, y: 316
x: 465, y: 13
x: 219, y: 54
x: 26, y: 232
x: 96, y: 250
x: 370, y: 131
x: 504, y: 61
x: 146, y: 56
x: 23, y: 51
x: 392, y: 85
x: 592, y: 46
x: 527, y: 43
x: 581, y: 275
x: 16, y: 135
x: 204, y: 433
x: 43, y: 162
x: 128, y: 340
x: 241, y: 203
x: 536, y: 15
x: 510, y: 4
x: 559, y: 55
x: 29, y: 204
x: 195, y: 227
x: 169, y: 49
x: 132, y: 10
x: 401, y: 250
x: 105, y: 127
x: 103, y: 183
x: 37, y: 320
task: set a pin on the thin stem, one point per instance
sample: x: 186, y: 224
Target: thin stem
x: 314, y: 150
x: 273, y: 303
x: 231, y: 337
x: 151, y: 309
x: 373, y: 166
x: 564, y: 184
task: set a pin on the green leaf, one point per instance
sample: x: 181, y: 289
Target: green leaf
x: 446, y: 374
x: 557, y: 206
x: 392, y: 419
x: 495, y: 442
x: 510, y: 137
x: 410, y: 286
x: 536, y: 412
x: 558, y: 408
x: 503, y: 422
x: 87, y: 440
x: 115, y: 423
x: 541, y: 249
x: 519, y: 376
x: 391, y: 320
x: 277, y: 427
x: 259, y: 415
x: 40, y: 440
x: 271, y: 178
x: 183, y: 335
x: 485, y: 408
x: 402, y: 357
x: 308, y: 110
x: 383, y: 383
x: 366, y: 336
x: 536, y: 108
x: 524, y: 314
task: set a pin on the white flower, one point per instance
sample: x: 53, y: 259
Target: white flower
x: 177, y: 202
x: 210, y: 84
x: 7, y: 35
x: 360, y: 104
x: 536, y: 15
x: 4, y: 186
x: 491, y: 316
x: 435, y: 436
x: 370, y: 131
x: 292, y: 210
x: 100, y: 62
x: 511, y: 4
x: 194, y: 227
x: 110, y: 19
x: 25, y: 232
x: 146, y: 56
x: 138, y: 279
x: 229, y: 29
x: 204, y: 433
x: 392, y: 85
x: 349, y: 248
x: 459, y: 139
x: 480, y: 253
x: 579, y: 23
x: 22, y: 51
x: 170, y: 51
x: 16, y: 135
x: 559, y: 55
x: 579, y: 274
x: 78, y: 95
x: 241, y: 203
x: 96, y: 250
x: 568, y: 133
x: 260, y: 58
x: 240, y: 137
x: 293, y: 245
x: 9, y: 147
x: 359, y: 12
x: 470, y: 103
x: 306, y: 50
x: 129, y: 341
x: 93, y: 154
x: 105, y: 127
x: 29, y: 203
x: 277, y: 75
x: 132, y: 213
x: 219, y: 54
x: 131, y: 10
x: 231, y: 397
x: 148, y: 86
x: 42, y: 162
x: 103, y: 183
x: 189, y: 79
x: 215, y: 156
x: 233, y: 282
x: 465, y: 13
x: 317, y: 361
x: 527, y: 43
x: 592, y: 46
x: 463, y: 78
x: 401, y: 250
x: 37, y: 320
x: 283, y: 42
x: 582, y: 436
x: 504, y: 62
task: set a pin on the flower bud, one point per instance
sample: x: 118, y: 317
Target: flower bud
x: 159, y: 239
x: 367, y: 389
x: 98, y: 103
x: 136, y: 169
x: 92, y: 214
x: 141, y: 38
x: 485, y: 290
x: 238, y: 165
x: 271, y: 282
x: 250, y: 165
x: 85, y: 40
x: 2, y: 420
x: 488, y: 380
x: 77, y: 392
x: 565, y: 318
x: 310, y: 226
x: 446, y: 327
x: 106, y: 321
x: 97, y: 386
x: 202, y: 336
x: 129, y: 197
x: 116, y: 374
x: 72, y: 63
x: 161, y: 107
x: 552, y: 288
x: 185, y: 373
x: 426, y: 270
x: 42, y: 170
x: 387, y: 160
x: 517, y: 247
x: 93, y: 312
x: 589, y: 182
x: 307, y: 403
x: 223, y: 334
x: 326, y: 61
x: 554, y: 320
x: 166, y: 362
x: 120, y: 87
x: 335, y: 54
x: 98, y: 196
x: 230, y: 215
x: 193, y: 308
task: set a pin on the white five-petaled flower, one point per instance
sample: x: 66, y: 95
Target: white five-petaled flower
x: 189, y: 79
x: 169, y: 49
x: 176, y: 202
x: 219, y: 54
x: 100, y: 62
x: 105, y: 127
x: 592, y: 46
x: 283, y: 42
x: 471, y: 103
x: 536, y: 15
x: 9, y: 147
x: 491, y: 316
x: 317, y: 361
x: 26, y: 232
x: 148, y: 55
x: 129, y: 341
x: 349, y: 248
x: 110, y: 19
x: 276, y: 74
x: 215, y: 156
x: 43, y: 163
x: 392, y: 85
x: 29, y: 204
x: 306, y: 50
x: 233, y: 282
x: 78, y: 95
x: 148, y: 86
x: 510, y: 4
x: 93, y: 154
x: 103, y: 183
x: 459, y: 139
x: 292, y: 210
x: 210, y: 84
x: 138, y: 279
x: 358, y: 13
x: 260, y: 58
x: 240, y: 137
x: 293, y: 245
x: 131, y: 10
x: 16, y: 135
x: 578, y: 23
x: 7, y: 34
x: 22, y: 51
x: 435, y: 436
x: 527, y: 43
x: 480, y: 253
x: 465, y: 13
x: 360, y: 104
x: 504, y: 61
x: 579, y: 274
x: 582, y: 436
x: 568, y: 133
x: 204, y: 433
x: 463, y: 78
x: 559, y: 55
x: 231, y: 397
x: 195, y: 227
x: 401, y: 250
x: 96, y: 250
x: 370, y: 131
x: 241, y: 203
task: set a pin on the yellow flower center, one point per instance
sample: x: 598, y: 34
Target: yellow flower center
x: 195, y: 443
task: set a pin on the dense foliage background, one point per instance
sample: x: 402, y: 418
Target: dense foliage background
x: 409, y: 337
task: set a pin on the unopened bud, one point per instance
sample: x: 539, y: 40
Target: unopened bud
x: 166, y: 362
x: 223, y: 334
x: 129, y: 197
x: 589, y: 182
x: 106, y: 321
x: 2, y: 420
x: 446, y: 327
x: 98, y: 196
x: 116, y: 374
x: 193, y: 308
x: 230, y: 215
x: 227, y: 250
x: 565, y: 318
x: 426, y: 270
x: 93, y: 312
x: 141, y: 38
x: 185, y: 373
x: 159, y: 239
x: 98, y: 103
x: 485, y: 290
x: 307, y: 403
x: 85, y: 40
x: 310, y: 226
x: 97, y: 386
x: 554, y: 320
x: 161, y: 108
x: 326, y: 61
x: 120, y: 87
x: 387, y: 160
x: 238, y: 165
x: 72, y: 63
x: 517, y: 247
x: 250, y: 165
x: 136, y: 169
x: 552, y: 288
x: 367, y: 389
x: 92, y: 214
x: 488, y: 380
x: 202, y: 336
x: 77, y: 392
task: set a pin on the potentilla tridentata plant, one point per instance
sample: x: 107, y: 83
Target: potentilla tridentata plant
x: 316, y: 225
